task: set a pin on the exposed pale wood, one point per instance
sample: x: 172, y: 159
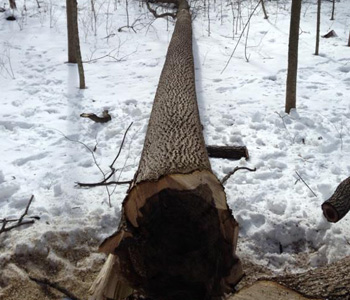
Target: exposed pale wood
x: 231, y: 152
x: 267, y: 290
x: 199, y: 223
x: 338, y: 205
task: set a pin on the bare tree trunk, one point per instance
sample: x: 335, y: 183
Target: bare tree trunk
x: 333, y: 9
x: 349, y: 40
x: 337, y: 206
x: 13, y: 4
x: 318, y: 25
x: 72, y: 58
x: 293, y: 56
x: 75, y: 30
x: 177, y: 237
x: 264, y: 9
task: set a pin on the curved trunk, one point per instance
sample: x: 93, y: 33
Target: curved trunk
x: 177, y: 237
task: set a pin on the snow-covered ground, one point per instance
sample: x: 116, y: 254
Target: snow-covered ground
x: 45, y: 142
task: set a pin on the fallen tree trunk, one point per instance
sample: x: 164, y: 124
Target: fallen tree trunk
x: 231, y: 152
x: 177, y: 237
x: 331, y: 282
x: 337, y: 206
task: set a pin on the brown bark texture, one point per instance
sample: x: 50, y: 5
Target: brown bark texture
x: 230, y: 152
x: 13, y: 4
x: 291, y: 89
x: 331, y: 282
x: 338, y: 205
x: 70, y: 32
x: 177, y: 237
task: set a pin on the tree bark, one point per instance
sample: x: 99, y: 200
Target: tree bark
x: 331, y: 282
x: 264, y: 9
x: 72, y: 58
x: 231, y: 152
x: 177, y: 237
x: 13, y: 4
x: 75, y: 30
x: 293, y: 56
x: 349, y: 40
x: 333, y: 9
x: 318, y: 25
x: 337, y: 206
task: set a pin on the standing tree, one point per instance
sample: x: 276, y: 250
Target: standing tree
x: 349, y: 40
x: 264, y: 9
x: 177, y: 236
x: 72, y: 57
x: 318, y: 25
x: 291, y: 89
x: 333, y: 9
x: 74, y: 54
x: 13, y: 4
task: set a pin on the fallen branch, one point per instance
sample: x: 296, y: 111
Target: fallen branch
x: 305, y: 183
x: 105, y: 182
x: 231, y: 152
x: 223, y: 180
x: 106, y: 117
x: 19, y: 221
x: 45, y: 282
x: 80, y: 184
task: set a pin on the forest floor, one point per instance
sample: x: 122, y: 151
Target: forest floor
x: 47, y: 147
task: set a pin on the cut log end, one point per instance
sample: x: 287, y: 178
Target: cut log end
x: 182, y: 241
x: 338, y: 205
x: 330, y: 213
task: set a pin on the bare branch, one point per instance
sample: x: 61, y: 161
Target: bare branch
x: 305, y: 183
x: 102, y: 183
x: 19, y: 221
x: 155, y: 14
x: 223, y: 180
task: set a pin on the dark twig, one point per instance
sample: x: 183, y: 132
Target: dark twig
x: 27, y: 208
x: 305, y: 183
x: 105, y: 182
x: 223, y: 180
x: 19, y: 221
x: 55, y: 286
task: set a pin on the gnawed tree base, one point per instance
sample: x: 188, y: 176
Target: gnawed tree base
x: 179, y: 240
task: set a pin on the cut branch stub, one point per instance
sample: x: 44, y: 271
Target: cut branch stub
x: 231, y: 152
x: 338, y: 205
